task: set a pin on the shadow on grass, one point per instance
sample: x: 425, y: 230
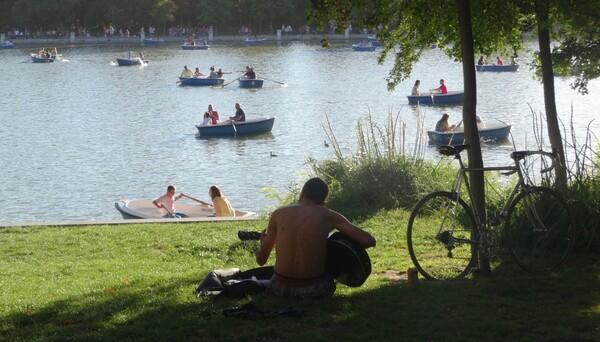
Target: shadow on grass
x: 510, y: 304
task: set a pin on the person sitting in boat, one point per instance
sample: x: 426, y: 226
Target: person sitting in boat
x: 441, y: 89
x: 481, y: 61
x: 443, y: 125
x: 141, y: 57
x: 221, y: 204
x: 197, y: 73
x: 213, y: 114
x: 166, y: 203
x: 240, y: 116
x: 213, y: 73
x: 480, y: 123
x: 206, y: 120
x: 250, y: 74
x: 220, y: 73
x: 499, y: 61
x: 187, y: 73
x: 512, y: 60
x: 415, y: 89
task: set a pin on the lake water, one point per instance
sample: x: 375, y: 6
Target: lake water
x: 80, y: 134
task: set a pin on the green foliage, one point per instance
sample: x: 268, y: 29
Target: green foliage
x: 133, y: 14
x: 407, y: 28
x: 578, y: 51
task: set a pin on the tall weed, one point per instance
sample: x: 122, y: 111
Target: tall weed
x: 385, y: 172
x: 583, y: 188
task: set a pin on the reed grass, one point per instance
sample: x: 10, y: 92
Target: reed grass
x: 386, y: 172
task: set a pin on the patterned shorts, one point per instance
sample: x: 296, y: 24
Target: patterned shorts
x: 323, y: 286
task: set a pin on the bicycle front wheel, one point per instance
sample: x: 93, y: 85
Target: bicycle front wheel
x: 439, y: 236
x: 539, y: 229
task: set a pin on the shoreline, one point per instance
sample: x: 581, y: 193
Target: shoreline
x: 66, y: 41
x: 66, y: 223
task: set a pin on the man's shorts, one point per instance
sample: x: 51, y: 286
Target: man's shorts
x: 323, y: 286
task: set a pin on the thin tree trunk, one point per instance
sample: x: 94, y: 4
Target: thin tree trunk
x: 541, y: 12
x: 469, y: 112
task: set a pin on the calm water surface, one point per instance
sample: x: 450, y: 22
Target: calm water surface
x: 78, y: 135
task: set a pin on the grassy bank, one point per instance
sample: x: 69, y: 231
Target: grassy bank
x: 136, y: 282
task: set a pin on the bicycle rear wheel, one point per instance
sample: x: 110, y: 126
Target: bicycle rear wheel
x: 439, y: 236
x: 539, y: 229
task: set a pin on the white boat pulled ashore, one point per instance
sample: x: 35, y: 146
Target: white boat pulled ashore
x: 144, y: 209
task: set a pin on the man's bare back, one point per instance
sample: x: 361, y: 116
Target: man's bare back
x: 300, y: 232
x: 301, y: 240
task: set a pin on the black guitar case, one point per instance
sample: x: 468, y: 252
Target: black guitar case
x: 347, y: 261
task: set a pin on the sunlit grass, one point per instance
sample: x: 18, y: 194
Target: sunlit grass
x: 137, y: 282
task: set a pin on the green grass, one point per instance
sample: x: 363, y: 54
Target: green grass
x: 137, y: 282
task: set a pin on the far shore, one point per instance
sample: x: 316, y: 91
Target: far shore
x: 66, y: 41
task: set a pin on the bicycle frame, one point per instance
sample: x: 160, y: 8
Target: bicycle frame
x: 505, y: 170
x: 447, y: 233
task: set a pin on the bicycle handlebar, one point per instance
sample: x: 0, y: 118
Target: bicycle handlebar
x: 449, y: 150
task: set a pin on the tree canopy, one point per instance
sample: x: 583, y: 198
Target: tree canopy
x: 260, y: 15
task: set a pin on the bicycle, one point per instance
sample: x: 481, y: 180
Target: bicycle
x: 445, y: 233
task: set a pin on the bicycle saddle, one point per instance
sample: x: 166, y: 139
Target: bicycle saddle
x: 448, y: 150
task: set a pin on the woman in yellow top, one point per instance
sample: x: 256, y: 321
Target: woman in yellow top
x: 222, y: 206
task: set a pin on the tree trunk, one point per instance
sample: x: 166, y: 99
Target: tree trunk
x: 476, y: 178
x: 541, y: 12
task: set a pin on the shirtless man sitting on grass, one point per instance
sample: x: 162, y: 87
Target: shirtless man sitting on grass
x: 300, y: 233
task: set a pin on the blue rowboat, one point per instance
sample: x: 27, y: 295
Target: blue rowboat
x: 453, y: 97
x: 490, y: 133
x: 252, y: 126
x: 129, y: 62
x: 153, y: 41
x: 497, y: 68
x: 36, y: 59
x: 256, y: 41
x: 251, y: 83
x: 374, y: 41
x: 194, y: 47
x: 358, y: 47
x: 201, y: 81
x: 7, y: 45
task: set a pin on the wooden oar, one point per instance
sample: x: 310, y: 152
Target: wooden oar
x: 226, y: 84
x: 169, y: 213
x: 195, y: 199
x: 266, y: 79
